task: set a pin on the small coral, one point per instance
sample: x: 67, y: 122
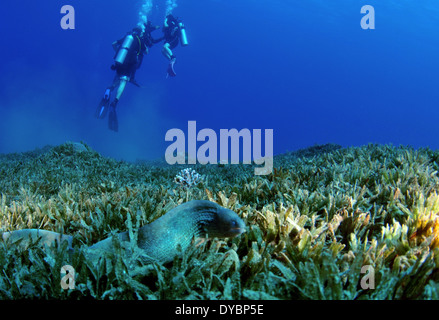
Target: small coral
x: 188, y: 178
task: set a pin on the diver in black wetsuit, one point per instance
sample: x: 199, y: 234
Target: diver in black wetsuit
x: 129, y: 56
x: 174, y: 32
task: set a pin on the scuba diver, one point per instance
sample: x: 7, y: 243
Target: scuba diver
x: 174, y: 31
x: 128, y: 58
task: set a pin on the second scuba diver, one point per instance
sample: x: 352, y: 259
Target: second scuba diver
x: 128, y: 58
x: 174, y: 31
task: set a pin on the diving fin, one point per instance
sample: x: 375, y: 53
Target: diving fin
x: 112, y: 118
x: 102, y: 109
x: 171, y: 71
x: 133, y: 81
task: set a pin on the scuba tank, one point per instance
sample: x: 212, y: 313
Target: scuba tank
x: 124, y: 48
x: 183, y: 36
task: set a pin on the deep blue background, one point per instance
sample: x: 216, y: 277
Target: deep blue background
x: 303, y: 68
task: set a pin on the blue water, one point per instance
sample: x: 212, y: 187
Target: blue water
x: 305, y: 69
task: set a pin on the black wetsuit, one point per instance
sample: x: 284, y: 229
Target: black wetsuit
x: 134, y: 57
x: 171, y: 33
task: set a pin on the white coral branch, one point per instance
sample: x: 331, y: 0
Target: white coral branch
x: 188, y: 178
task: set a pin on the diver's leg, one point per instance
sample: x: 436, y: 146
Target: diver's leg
x: 167, y: 52
x: 115, y: 82
x: 122, y: 84
x: 113, y: 123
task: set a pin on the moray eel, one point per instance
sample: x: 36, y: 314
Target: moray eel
x: 159, y: 240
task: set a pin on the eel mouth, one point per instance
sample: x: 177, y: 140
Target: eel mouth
x: 234, y: 232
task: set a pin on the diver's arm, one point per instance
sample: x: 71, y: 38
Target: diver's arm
x: 157, y: 40
x: 117, y: 44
